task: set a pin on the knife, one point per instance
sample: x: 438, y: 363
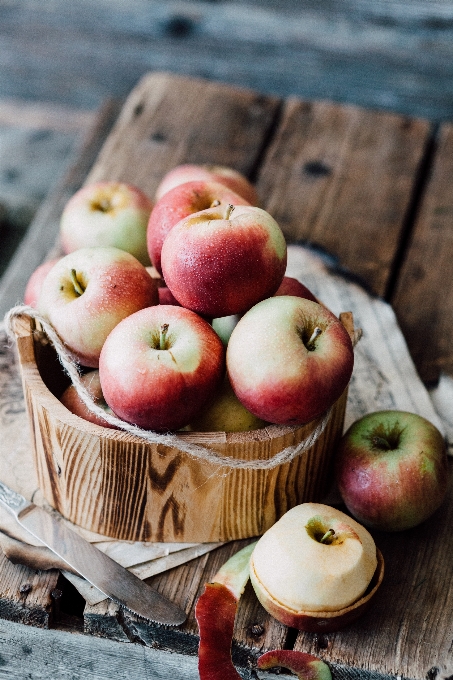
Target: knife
x: 100, y: 570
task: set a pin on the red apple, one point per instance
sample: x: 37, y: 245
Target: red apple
x: 392, y: 469
x: 76, y: 405
x: 291, y: 286
x: 232, y: 179
x: 223, y: 260
x: 289, y: 359
x: 182, y: 201
x: 88, y: 292
x: 107, y: 214
x: 166, y: 297
x: 160, y: 366
x: 34, y: 285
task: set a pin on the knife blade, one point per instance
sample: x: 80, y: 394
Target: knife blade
x: 100, y: 570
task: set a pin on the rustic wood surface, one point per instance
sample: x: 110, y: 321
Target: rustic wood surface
x: 385, y: 54
x: 408, y: 631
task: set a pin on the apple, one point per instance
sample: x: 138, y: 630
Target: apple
x: 291, y: 286
x: 225, y: 414
x: 159, y: 367
x: 88, y: 292
x: 305, y: 666
x: 76, y: 405
x: 182, y: 201
x: 166, y: 297
x: 392, y: 469
x: 223, y: 260
x: 314, y: 559
x: 224, y: 325
x: 107, y: 214
x: 188, y: 172
x: 34, y: 284
x: 289, y: 359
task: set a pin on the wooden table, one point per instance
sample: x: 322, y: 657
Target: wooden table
x: 374, y: 190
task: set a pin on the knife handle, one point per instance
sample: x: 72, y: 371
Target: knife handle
x: 12, y: 500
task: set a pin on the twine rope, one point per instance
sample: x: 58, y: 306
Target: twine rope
x: 167, y: 439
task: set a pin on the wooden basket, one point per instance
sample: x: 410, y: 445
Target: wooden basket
x: 116, y: 484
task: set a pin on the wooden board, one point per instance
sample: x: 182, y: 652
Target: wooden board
x: 384, y: 54
x: 408, y: 632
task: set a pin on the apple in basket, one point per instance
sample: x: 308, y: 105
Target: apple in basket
x: 74, y: 403
x: 223, y: 260
x: 222, y: 174
x: 34, y: 284
x: 107, y: 214
x: 182, y: 201
x: 289, y: 359
x: 160, y: 366
x: 392, y: 469
x: 88, y: 292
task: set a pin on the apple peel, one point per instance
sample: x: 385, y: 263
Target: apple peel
x: 215, y: 613
x: 305, y: 666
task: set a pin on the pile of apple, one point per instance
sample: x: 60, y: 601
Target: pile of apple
x: 214, y: 321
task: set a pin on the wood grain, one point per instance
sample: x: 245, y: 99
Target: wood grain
x: 171, y: 120
x: 342, y: 178
x: 26, y: 594
x: 116, y: 484
x: 423, y: 299
x: 387, y: 54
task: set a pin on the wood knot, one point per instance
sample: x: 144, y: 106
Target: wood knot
x: 257, y: 630
x: 179, y: 26
x: 321, y: 641
x: 25, y: 588
x: 316, y: 169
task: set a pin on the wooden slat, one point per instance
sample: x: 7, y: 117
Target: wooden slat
x: 255, y: 631
x: 408, y: 631
x: 342, y: 178
x: 423, y: 298
x: 25, y: 594
x: 169, y: 120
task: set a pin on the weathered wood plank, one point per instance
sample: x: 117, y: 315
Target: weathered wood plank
x: 388, y: 54
x: 169, y: 120
x: 342, y: 178
x: 255, y: 631
x: 408, y: 631
x: 42, y: 233
x: 423, y: 298
x: 26, y: 595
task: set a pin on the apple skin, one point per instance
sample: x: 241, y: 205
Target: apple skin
x: 182, y: 201
x: 74, y: 403
x: 107, y: 214
x: 161, y: 389
x: 166, y: 297
x: 290, y: 383
x: 291, y: 286
x: 223, y: 260
x: 294, y: 573
x: 116, y: 285
x: 225, y: 414
x: 222, y: 174
x: 34, y: 284
x: 394, y: 488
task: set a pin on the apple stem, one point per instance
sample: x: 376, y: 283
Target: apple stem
x: 163, y: 336
x: 229, y: 210
x: 76, y: 283
x: 327, y: 536
x: 314, y: 335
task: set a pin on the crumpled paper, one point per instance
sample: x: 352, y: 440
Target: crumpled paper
x: 384, y: 377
